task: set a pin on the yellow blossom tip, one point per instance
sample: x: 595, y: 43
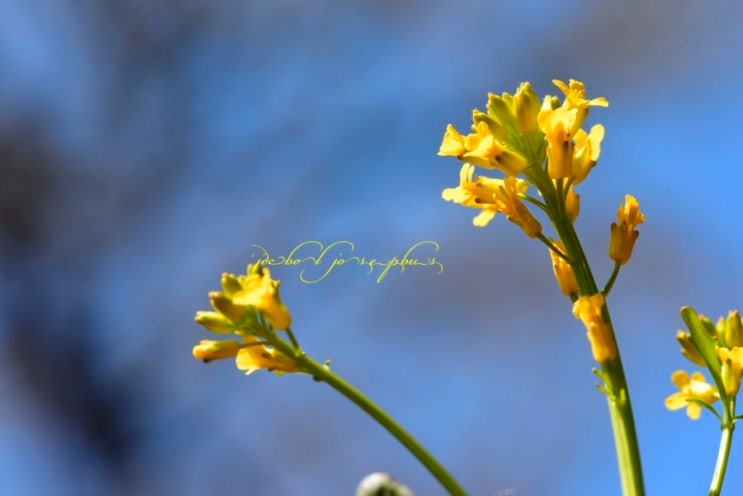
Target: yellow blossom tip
x: 589, y: 310
x: 623, y: 232
x: 452, y: 144
x: 691, y: 388
x: 258, y: 356
x: 731, y: 367
x: 208, y: 350
x: 563, y: 271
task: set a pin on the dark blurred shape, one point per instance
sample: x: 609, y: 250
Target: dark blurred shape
x: 25, y: 188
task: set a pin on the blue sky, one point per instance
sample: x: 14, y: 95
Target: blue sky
x: 176, y: 138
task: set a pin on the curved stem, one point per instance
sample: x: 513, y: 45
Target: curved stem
x: 612, y: 278
x: 322, y: 373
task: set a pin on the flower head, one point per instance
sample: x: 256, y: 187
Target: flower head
x: 691, y: 388
x: 519, y: 136
x: 250, y: 308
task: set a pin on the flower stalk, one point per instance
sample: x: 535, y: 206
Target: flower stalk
x: 249, y: 307
x: 719, y: 348
x: 612, y: 371
x: 726, y: 440
x: 321, y: 372
x: 554, y: 156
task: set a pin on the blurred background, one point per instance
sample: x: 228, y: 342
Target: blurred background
x: 145, y: 147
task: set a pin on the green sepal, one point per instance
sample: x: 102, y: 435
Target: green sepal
x: 705, y: 345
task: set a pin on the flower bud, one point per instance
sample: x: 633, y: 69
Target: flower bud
x: 688, y: 349
x: 215, y: 322
x: 208, y: 350
x: 224, y: 305
x: 733, y: 335
x: 525, y: 108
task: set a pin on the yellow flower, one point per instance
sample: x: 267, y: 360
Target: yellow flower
x: 563, y: 271
x: 257, y: 356
x: 688, y: 349
x: 570, y: 151
x: 572, y: 203
x: 732, y: 368
x: 696, y: 388
x: 589, y: 310
x: 731, y: 329
x: 493, y: 196
x: 510, y: 204
x: 208, y: 350
x: 587, y: 151
x: 525, y: 105
x: 476, y: 194
x: 575, y: 95
x: 559, y: 126
x: 623, y: 234
x: 262, y: 292
x: 237, y: 310
x: 250, y: 356
x: 453, y: 143
x: 485, y: 150
x: 215, y: 322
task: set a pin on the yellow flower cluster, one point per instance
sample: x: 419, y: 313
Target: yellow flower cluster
x: 250, y: 308
x: 519, y: 136
x: 725, y: 364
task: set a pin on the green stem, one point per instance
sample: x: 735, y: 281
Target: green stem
x: 618, y: 400
x: 726, y: 439
x: 623, y: 426
x: 322, y: 373
x: 612, y: 278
